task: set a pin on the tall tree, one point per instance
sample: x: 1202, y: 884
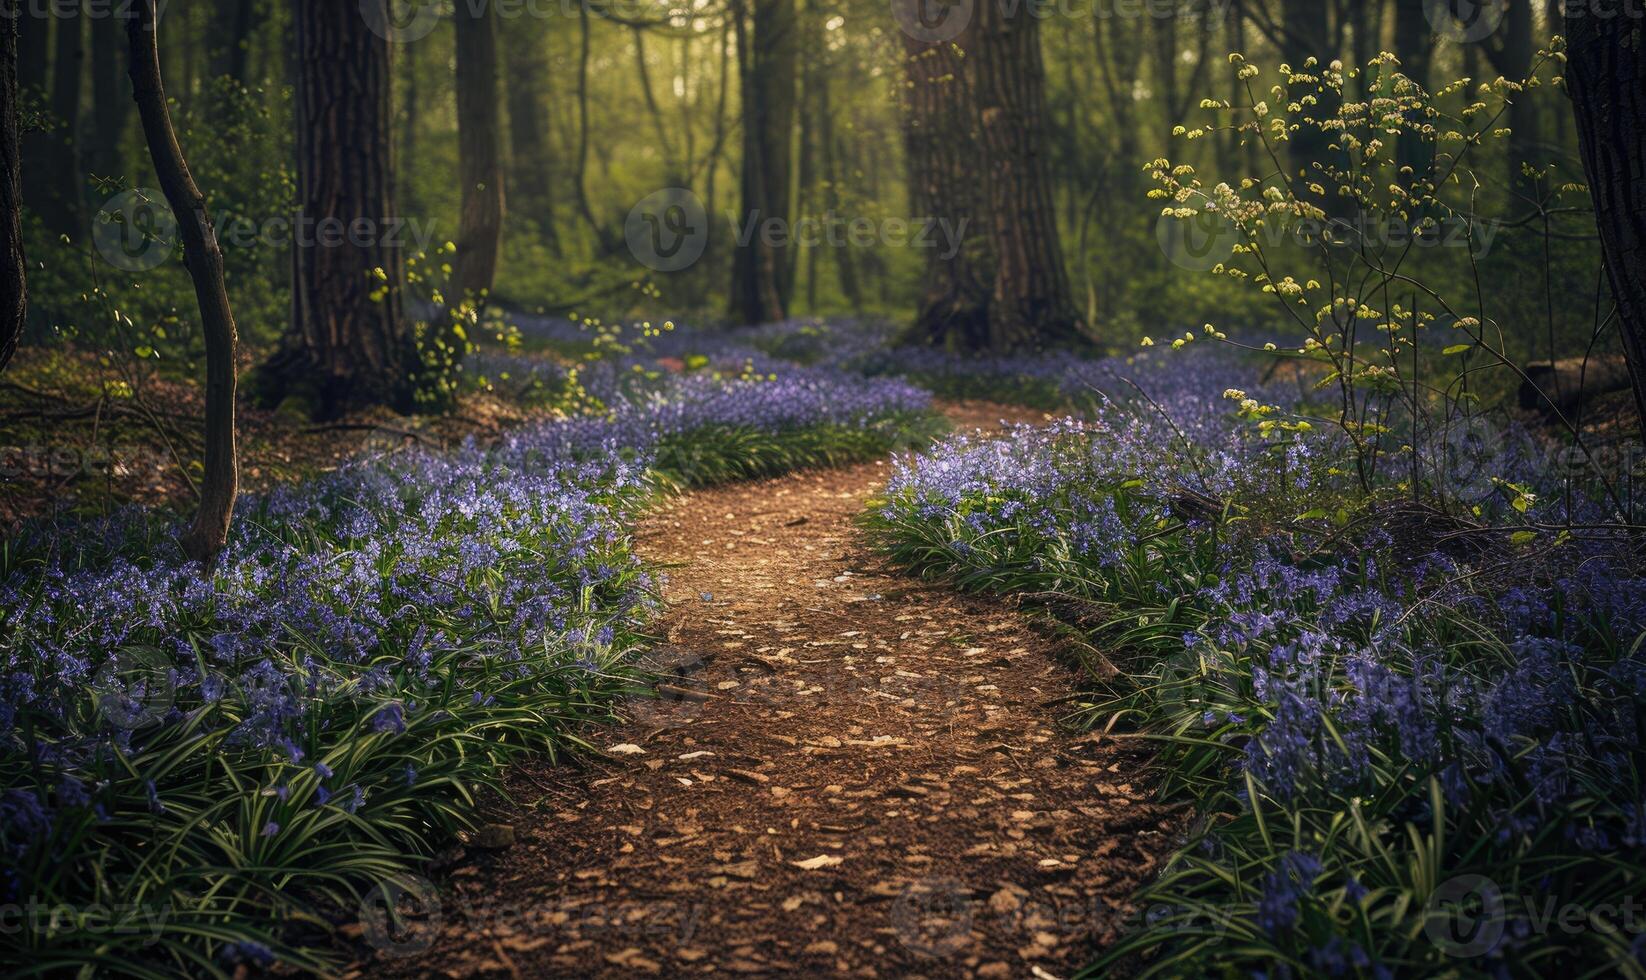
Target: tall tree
x: 60, y: 204
x: 1415, y: 44
x: 1606, y: 75
x: 531, y: 165
x: 229, y: 39
x: 1032, y: 307
x: 108, y: 109
x: 768, y: 53
x: 347, y: 345
x: 14, y: 286
x: 480, y: 148
x: 941, y: 139
x: 1305, y: 34
x: 205, y: 537
x: 1511, y: 49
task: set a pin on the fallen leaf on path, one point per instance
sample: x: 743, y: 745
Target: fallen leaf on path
x: 819, y: 862
x: 627, y: 748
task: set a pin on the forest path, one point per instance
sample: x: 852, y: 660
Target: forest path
x: 854, y: 774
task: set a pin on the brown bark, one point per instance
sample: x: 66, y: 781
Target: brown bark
x: 345, y: 348
x: 946, y: 187
x: 204, y: 539
x: 14, y: 288
x: 1032, y: 307
x: 1606, y: 75
x: 479, y: 134
x: 767, y: 57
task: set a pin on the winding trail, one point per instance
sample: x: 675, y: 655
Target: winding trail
x: 853, y: 774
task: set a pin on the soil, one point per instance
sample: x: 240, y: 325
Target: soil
x: 849, y: 773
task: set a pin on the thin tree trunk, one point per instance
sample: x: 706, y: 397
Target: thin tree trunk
x: 108, y: 108
x: 14, y: 286
x: 1415, y: 44
x: 347, y: 345
x: 479, y: 133
x: 204, y: 539
x: 1513, y: 60
x: 1032, y: 307
x: 403, y: 190
x: 60, y: 205
x: 761, y: 277
x: 230, y: 35
x: 1307, y: 34
x: 531, y: 170
x: 580, y: 177
x: 1606, y: 75
x: 845, y: 267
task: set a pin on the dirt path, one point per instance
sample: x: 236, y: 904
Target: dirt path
x: 854, y: 774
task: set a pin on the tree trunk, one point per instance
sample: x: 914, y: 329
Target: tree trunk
x: 1415, y: 44
x: 479, y: 135
x: 204, y: 539
x: 941, y: 139
x: 845, y: 268
x: 108, y: 108
x: 229, y: 37
x: 347, y: 344
x: 1309, y: 152
x: 531, y: 165
x: 1606, y: 75
x: 767, y: 56
x: 1512, y: 58
x: 1032, y: 307
x: 59, y: 206
x: 14, y: 288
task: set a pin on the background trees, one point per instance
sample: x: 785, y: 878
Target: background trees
x: 1019, y: 145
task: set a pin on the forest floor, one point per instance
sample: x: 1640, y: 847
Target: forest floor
x: 853, y: 773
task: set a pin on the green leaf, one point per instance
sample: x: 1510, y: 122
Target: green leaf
x: 1457, y: 349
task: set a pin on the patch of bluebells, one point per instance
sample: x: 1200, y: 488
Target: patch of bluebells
x: 1366, y: 690
x: 370, y: 644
